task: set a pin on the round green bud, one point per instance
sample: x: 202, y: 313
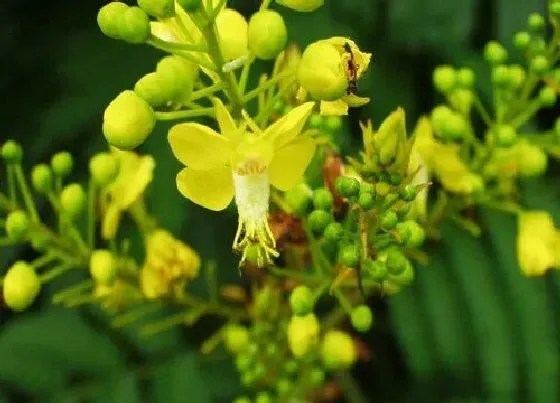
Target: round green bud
x: 317, y: 376
x: 376, y: 269
x: 236, y: 338
x: 334, y: 232
x: 128, y: 121
x: 396, y: 261
x: 154, y: 89
x: 321, y: 72
x: 403, y: 210
x: 283, y: 386
x: 338, y: 351
x: 395, y: 179
x: 531, y: 160
x: 303, y: 6
x: 389, y: 219
x: 232, y: 33
x: 177, y: 77
x: 190, y: 5
x: 516, y: 75
x: 349, y: 255
x: 554, y: 9
x: 244, y: 361
x: 495, y: 53
x: 547, y: 97
x: 539, y: 64
x: 62, y: 163
x: 103, y: 266
x: 366, y: 187
x: 500, y: 76
x: 444, y: 78
x: 412, y: 232
x: 465, y: 77
x: 41, y: 178
x: 299, y: 199
x: 347, y: 186
x: 291, y: 366
x: 536, y: 22
x: 315, y: 121
x: 521, y: 40
x: 12, y: 152
x: 332, y: 123
x: 17, y: 225
x: 248, y: 378
x: 323, y: 199
x: 158, y: 8
x: 73, y: 200
x: 21, y: 286
x: 109, y: 19
x: 135, y: 26
x: 440, y: 115
x: 505, y: 135
x: 404, y: 277
x: 366, y: 200
x: 103, y: 168
x: 538, y: 46
x: 408, y: 193
x: 318, y: 220
x: 263, y: 397
x: 301, y: 300
x: 361, y: 318
x: 267, y: 34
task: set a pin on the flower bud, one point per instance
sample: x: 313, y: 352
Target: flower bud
x: 501, y: 76
x: 236, y: 338
x: 315, y: 121
x: 333, y: 232
x: 177, y: 77
x: 547, y: 97
x: 110, y: 17
x: 376, y: 269
x: 73, y: 200
x: 531, y: 160
x: 521, y: 40
x: 299, y: 199
x: 495, y: 53
x: 190, y: 5
x: 349, y: 255
x: 153, y: 89
x: 347, y: 186
x: 444, y: 78
x: 403, y: 278
x: 321, y: 71
x: 389, y: 219
x: 516, y: 75
x: 134, y: 26
x: 505, y: 135
x: 303, y: 6
x: 21, y: 286
x: 366, y: 200
x: 554, y: 9
x: 462, y: 100
x: 536, y: 242
x: 158, y: 8
x: 539, y: 64
x: 17, y: 225
x: 412, y: 233
x: 267, y: 34
x: 361, y: 318
x: 318, y: 220
x: 465, y: 77
x: 390, y: 140
x: 303, y: 332
x: 332, y: 123
x: 41, y: 178
x: 338, y: 351
x: 263, y: 397
x: 396, y: 261
x: 103, y: 267
x: 323, y: 199
x: 232, y: 33
x: 128, y: 120
x: 536, y: 22
x: 62, y: 164
x: 301, y: 300
x: 103, y: 168
x: 12, y: 152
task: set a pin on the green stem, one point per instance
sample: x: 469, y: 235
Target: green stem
x: 527, y: 114
x: 11, y: 184
x: 264, y: 114
x: 42, y: 261
x: 135, y: 314
x: 216, y: 10
x: 5, y: 203
x: 71, y: 291
x: 344, y: 303
x: 27, y: 199
x: 171, y: 47
x: 482, y: 111
x: 55, y: 272
x: 207, y: 91
x: 91, y: 215
x: 245, y: 74
x: 269, y: 83
x: 182, y: 114
x: 314, y: 249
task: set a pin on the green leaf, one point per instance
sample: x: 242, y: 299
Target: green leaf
x: 123, y: 389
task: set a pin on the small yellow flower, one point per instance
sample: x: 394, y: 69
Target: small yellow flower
x: 537, y: 243
x: 242, y: 163
x: 303, y: 334
x: 135, y: 174
x: 327, y: 69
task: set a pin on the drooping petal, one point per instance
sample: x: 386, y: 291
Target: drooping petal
x: 355, y: 101
x: 199, y: 147
x: 289, y: 126
x: 135, y: 174
x: 212, y: 189
x: 536, y: 242
x: 290, y: 162
x: 334, y: 108
x: 227, y: 125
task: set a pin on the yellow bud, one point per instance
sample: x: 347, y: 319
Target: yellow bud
x: 103, y: 266
x: 321, y: 71
x: 152, y: 283
x: 338, y: 350
x: 303, y: 332
x: 536, y: 242
x: 21, y: 286
x: 303, y: 6
x: 391, y: 137
x: 531, y: 159
x: 267, y: 34
x: 232, y: 32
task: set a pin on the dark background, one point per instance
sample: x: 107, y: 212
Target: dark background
x: 471, y: 328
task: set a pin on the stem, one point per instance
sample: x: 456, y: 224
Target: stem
x: 27, y: 199
x: 42, y: 261
x: 216, y: 10
x: 264, y: 86
x: 344, y: 303
x: 132, y: 316
x: 264, y: 114
x: 91, y: 215
x: 482, y: 111
x: 182, y: 114
x: 173, y: 46
x: 69, y: 292
x: 11, y: 184
x: 527, y: 113
x: 55, y: 272
x: 245, y: 74
x: 207, y: 91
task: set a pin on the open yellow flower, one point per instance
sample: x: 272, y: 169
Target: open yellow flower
x: 242, y: 163
x: 135, y: 174
x: 537, y: 243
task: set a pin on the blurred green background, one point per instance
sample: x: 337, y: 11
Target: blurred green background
x: 469, y: 329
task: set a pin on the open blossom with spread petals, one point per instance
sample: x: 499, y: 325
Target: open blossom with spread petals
x: 244, y: 164
x: 326, y: 70
x: 538, y: 241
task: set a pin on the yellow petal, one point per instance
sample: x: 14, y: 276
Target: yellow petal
x: 252, y: 150
x: 334, y: 108
x: 110, y: 222
x: 225, y: 121
x: 212, y: 189
x: 355, y: 101
x: 536, y: 242
x: 290, y: 162
x: 289, y: 126
x: 135, y: 174
x: 199, y: 147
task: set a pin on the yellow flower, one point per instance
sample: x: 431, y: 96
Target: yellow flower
x: 242, y: 163
x: 135, y: 174
x: 303, y: 334
x: 537, y: 243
